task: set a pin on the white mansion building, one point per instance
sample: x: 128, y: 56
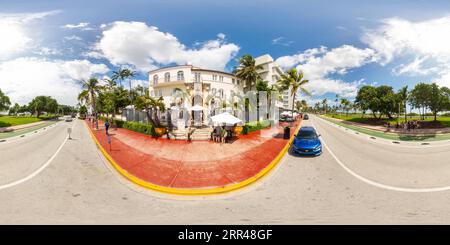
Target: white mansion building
x: 185, y: 86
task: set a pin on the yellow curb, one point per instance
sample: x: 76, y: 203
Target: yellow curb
x: 195, y: 192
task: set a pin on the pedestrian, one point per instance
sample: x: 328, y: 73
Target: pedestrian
x: 107, y: 127
x: 224, y: 135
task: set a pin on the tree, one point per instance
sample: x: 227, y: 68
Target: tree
x: 4, y: 101
x: 438, y: 100
x: 420, y: 97
x: 403, y: 95
x: 89, y: 94
x: 294, y: 81
x: 83, y: 111
x: 317, y: 107
x: 151, y: 106
x: 247, y: 70
x: 42, y: 104
x: 366, y: 99
x: 123, y: 74
x: 324, y: 105
x: 345, y: 105
x: 381, y: 100
x: 14, y: 109
x: 387, y: 101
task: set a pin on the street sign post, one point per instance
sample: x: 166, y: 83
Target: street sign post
x: 109, y: 142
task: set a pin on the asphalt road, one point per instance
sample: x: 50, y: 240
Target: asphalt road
x: 79, y: 187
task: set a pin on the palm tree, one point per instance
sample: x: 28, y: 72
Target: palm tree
x: 317, y: 106
x: 247, y: 70
x: 324, y: 105
x: 293, y: 80
x: 403, y: 96
x: 89, y: 94
x: 152, y: 106
x: 345, y: 105
x: 123, y: 74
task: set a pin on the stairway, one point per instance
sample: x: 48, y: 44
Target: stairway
x: 203, y: 133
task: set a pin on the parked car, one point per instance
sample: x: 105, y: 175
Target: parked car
x: 305, y: 117
x: 68, y: 118
x: 307, y: 142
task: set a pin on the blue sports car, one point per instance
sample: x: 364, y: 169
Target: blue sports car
x: 307, y: 142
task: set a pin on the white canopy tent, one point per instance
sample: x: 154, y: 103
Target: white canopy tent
x: 225, y: 118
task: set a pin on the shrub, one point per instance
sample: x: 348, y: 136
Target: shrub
x: 255, y: 125
x: 139, y: 127
x: 118, y: 123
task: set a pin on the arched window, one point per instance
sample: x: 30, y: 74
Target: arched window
x: 221, y: 93
x: 155, y: 79
x: 180, y: 75
x: 167, y: 77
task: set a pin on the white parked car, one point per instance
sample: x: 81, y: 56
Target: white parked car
x: 68, y: 118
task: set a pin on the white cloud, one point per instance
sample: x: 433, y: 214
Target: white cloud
x: 73, y: 37
x: 45, y: 51
x: 319, y: 63
x: 146, y: 47
x: 282, y: 41
x: 82, y: 26
x: 24, y: 78
x: 423, y: 46
x: 14, y: 37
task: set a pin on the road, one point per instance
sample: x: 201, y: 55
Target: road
x: 79, y: 187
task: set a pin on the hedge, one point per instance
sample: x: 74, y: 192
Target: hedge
x: 254, y: 126
x: 133, y: 126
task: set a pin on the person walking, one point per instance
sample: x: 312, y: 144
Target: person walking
x: 107, y: 127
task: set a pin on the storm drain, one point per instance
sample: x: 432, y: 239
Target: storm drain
x: 2, y: 140
x: 373, y: 138
x: 425, y: 143
x: 395, y: 142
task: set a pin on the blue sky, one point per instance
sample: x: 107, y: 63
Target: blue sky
x: 340, y: 45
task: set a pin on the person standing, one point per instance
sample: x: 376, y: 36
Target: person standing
x: 107, y: 127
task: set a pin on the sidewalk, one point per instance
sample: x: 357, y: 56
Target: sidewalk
x: 19, y: 127
x: 196, y: 164
x: 392, y: 129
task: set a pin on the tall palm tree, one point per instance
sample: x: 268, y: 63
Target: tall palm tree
x: 325, y: 105
x: 403, y: 95
x: 122, y: 74
x: 89, y: 94
x: 293, y: 80
x: 345, y: 105
x: 248, y: 71
x: 317, y: 106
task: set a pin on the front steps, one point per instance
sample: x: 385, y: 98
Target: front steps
x: 203, y: 133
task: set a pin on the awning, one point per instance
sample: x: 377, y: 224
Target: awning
x: 225, y: 118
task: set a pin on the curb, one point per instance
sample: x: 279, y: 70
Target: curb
x: 195, y: 192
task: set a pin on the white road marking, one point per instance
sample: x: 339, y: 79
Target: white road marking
x: 385, y: 141
x: 39, y: 170
x: 380, y: 185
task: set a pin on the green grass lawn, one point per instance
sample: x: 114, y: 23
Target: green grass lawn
x: 7, y: 121
x: 369, y: 119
